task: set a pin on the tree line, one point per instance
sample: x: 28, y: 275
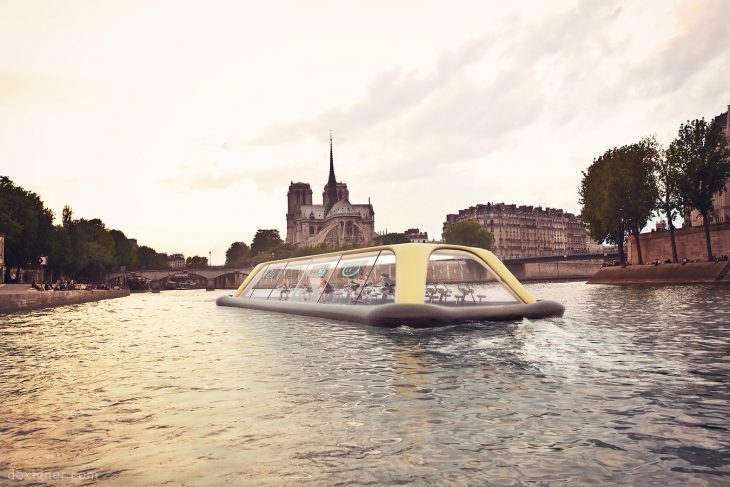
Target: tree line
x: 77, y: 249
x: 268, y: 245
x: 626, y: 186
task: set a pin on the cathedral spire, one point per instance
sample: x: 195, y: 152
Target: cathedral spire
x: 331, y: 182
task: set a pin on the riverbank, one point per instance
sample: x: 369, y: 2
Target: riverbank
x: 689, y: 273
x: 21, y: 297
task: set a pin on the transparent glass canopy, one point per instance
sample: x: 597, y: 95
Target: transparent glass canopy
x: 458, y: 278
x: 366, y: 278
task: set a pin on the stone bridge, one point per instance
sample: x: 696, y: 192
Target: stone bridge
x: 213, y: 277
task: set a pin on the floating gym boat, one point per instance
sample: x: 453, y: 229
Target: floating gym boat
x: 407, y: 284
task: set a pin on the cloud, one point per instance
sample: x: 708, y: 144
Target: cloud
x: 391, y: 94
x: 688, y: 55
x: 215, y: 178
x: 452, y: 114
x: 554, y: 80
x: 26, y: 87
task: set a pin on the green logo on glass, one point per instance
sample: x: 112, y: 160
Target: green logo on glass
x: 351, y: 271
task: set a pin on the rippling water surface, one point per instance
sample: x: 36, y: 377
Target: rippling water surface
x: 630, y: 387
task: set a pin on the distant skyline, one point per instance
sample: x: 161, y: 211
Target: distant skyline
x: 183, y: 123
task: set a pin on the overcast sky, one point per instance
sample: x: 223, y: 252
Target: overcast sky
x: 182, y: 123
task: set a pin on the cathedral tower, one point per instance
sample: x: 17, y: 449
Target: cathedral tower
x: 333, y: 191
x: 299, y: 194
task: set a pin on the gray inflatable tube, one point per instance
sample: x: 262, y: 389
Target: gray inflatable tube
x: 393, y: 315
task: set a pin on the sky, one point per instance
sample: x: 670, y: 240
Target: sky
x: 183, y: 123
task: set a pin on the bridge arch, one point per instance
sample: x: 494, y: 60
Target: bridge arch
x: 210, y: 277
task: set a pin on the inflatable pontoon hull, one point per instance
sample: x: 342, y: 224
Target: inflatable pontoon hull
x: 394, y: 315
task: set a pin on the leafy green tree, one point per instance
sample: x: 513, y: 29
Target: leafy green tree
x: 282, y: 251
x: 60, y: 254
x: 196, y: 262
x: 26, y: 224
x: 94, y: 248
x: 619, y: 194
x: 667, y: 177
x: 76, y: 249
x: 392, y: 239
x: 701, y: 152
x: 265, y: 241
x: 10, y: 227
x: 67, y: 216
x: 126, y: 254
x: 469, y: 233
x: 603, y: 207
x: 149, y: 258
x: 635, y: 169
x: 319, y: 249
x: 237, y: 253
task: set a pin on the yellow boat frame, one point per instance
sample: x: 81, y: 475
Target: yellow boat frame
x: 411, y: 261
x: 409, y: 306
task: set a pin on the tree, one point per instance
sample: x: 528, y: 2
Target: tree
x: 94, y: 249
x: 667, y: 177
x: 602, y: 205
x: 237, y: 253
x: 618, y: 194
x: 76, y: 248
x: 319, y: 249
x: 26, y: 223
x: 149, y: 258
x: 67, y: 217
x: 264, y: 241
x: 701, y: 152
x: 282, y: 251
x: 469, y: 233
x: 126, y: 254
x: 196, y: 262
x: 635, y: 170
x: 60, y: 254
x: 392, y: 239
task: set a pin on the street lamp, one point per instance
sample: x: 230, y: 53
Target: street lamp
x: 210, y: 259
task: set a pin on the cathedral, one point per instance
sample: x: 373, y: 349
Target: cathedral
x: 335, y: 223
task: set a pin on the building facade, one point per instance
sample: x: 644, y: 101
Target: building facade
x: 416, y: 236
x: 526, y: 231
x: 335, y: 223
x: 720, y: 202
x: 176, y: 261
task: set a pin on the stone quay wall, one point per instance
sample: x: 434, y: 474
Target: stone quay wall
x: 529, y: 271
x: 21, y: 301
x: 556, y: 271
x: 690, y: 273
x: 690, y: 244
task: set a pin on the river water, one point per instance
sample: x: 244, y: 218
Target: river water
x: 630, y: 387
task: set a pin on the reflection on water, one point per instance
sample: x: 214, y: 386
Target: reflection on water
x: 630, y: 387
